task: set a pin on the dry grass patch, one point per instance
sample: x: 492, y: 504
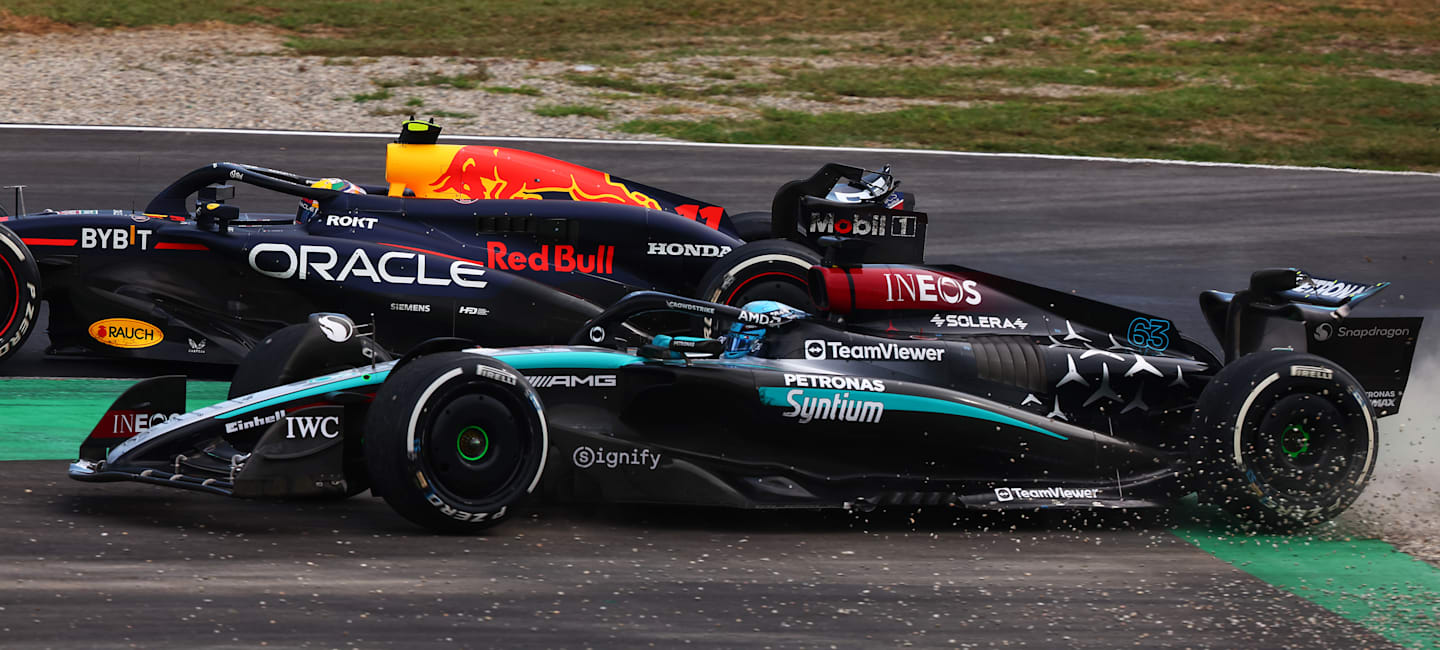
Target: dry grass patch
x: 1061, y: 91
x: 1219, y: 130
x: 30, y: 24
x: 1407, y: 76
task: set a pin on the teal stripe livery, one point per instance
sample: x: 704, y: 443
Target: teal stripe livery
x: 777, y: 396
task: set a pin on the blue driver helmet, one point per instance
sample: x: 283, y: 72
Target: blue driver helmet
x: 748, y: 334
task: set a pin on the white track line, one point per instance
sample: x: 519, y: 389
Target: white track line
x: 713, y: 145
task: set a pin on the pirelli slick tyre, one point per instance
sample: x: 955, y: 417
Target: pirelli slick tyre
x: 771, y: 269
x: 1283, y: 440
x: 752, y: 226
x: 19, y: 293
x: 455, y: 440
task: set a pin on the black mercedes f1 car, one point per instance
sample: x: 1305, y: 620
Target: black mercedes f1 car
x: 454, y: 245
x: 908, y: 385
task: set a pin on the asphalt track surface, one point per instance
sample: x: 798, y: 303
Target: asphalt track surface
x: 121, y: 564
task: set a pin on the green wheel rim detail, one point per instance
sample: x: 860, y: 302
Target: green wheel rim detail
x: 1303, y: 440
x: 469, y: 437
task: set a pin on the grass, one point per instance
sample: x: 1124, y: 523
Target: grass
x: 669, y: 90
x: 671, y: 109
x: 463, y: 81
x: 627, y: 84
x: 381, y: 111
x: 383, y: 93
x: 514, y: 90
x: 562, y: 110
x: 1283, y: 81
x: 1209, y: 123
x: 616, y: 30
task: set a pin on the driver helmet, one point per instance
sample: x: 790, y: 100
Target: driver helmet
x: 311, y: 207
x: 746, y: 338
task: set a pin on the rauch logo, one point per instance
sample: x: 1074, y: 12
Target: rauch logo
x: 126, y: 333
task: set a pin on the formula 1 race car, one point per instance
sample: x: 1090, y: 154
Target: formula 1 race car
x: 454, y: 245
x: 910, y: 385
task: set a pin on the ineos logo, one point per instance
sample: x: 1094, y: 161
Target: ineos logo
x: 931, y: 288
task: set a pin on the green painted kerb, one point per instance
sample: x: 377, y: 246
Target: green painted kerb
x: 1363, y: 580
x: 46, y: 419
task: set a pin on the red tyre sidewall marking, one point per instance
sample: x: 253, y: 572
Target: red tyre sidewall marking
x: 15, y: 307
x: 757, y: 277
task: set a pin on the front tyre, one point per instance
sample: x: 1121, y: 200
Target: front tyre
x: 19, y: 293
x: 455, y: 440
x: 1283, y: 440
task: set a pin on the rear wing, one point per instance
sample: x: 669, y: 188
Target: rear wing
x: 880, y: 230
x: 1377, y: 351
x: 1288, y: 309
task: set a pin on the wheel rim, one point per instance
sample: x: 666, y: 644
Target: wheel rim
x: 1295, y: 440
x: 472, y: 443
x: 474, y: 449
x: 1307, y: 450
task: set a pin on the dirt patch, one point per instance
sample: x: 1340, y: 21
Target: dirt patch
x: 1218, y: 130
x: 1273, y: 11
x: 1061, y: 91
x: 30, y: 24
x: 1407, y: 76
x: 1401, y: 505
x: 1390, y: 47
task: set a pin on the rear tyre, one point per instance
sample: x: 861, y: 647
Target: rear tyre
x: 752, y: 226
x: 1283, y: 440
x: 19, y: 293
x: 772, y: 269
x: 455, y: 440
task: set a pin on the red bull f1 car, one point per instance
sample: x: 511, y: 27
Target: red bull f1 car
x: 905, y: 385
x: 454, y: 244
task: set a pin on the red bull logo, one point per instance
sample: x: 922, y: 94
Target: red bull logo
x: 559, y: 258
x: 496, y: 173
x: 474, y: 172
